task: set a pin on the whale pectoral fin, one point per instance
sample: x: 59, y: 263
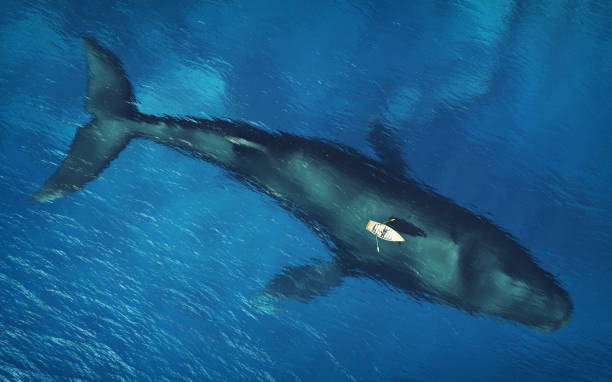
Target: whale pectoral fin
x: 386, y: 145
x: 305, y: 282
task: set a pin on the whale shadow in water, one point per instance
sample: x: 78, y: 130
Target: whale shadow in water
x: 450, y: 255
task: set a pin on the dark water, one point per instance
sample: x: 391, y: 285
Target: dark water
x: 149, y: 272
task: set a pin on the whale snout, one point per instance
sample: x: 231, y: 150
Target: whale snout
x: 553, y: 313
x: 561, y: 309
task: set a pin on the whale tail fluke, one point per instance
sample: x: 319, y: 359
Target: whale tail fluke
x: 109, y: 92
x: 111, y: 102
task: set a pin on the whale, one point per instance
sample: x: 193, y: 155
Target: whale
x: 449, y: 255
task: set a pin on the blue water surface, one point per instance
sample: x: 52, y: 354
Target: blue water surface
x: 149, y: 272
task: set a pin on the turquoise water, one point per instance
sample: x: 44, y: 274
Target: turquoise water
x: 149, y: 272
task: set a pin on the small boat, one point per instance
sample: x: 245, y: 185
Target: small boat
x: 383, y: 231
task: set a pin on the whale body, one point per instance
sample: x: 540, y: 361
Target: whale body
x: 450, y: 255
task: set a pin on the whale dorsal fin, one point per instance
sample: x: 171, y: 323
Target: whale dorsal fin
x: 109, y: 92
x: 386, y: 145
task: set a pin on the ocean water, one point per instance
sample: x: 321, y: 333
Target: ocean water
x: 149, y: 272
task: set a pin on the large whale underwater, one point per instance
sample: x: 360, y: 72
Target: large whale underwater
x: 450, y: 255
